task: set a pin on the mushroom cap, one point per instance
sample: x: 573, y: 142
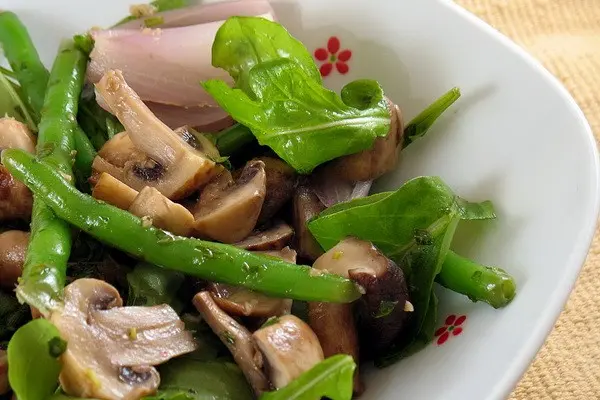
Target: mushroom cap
x: 290, y: 348
x: 164, y: 213
x: 228, y: 211
x: 13, y: 249
x: 113, y: 191
x: 306, y: 205
x: 16, y: 199
x: 237, y: 339
x: 372, y: 163
x: 385, y: 290
x: 112, y: 349
x: 274, y: 238
x: 16, y: 135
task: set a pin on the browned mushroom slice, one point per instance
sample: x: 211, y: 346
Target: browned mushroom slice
x: 306, y: 205
x: 237, y: 339
x: 334, y: 324
x: 4, y: 386
x: 15, y: 199
x: 370, y: 164
x: 290, y: 348
x: 162, y: 212
x: 16, y: 135
x: 171, y: 165
x: 281, y: 182
x: 274, y: 238
x: 13, y: 248
x: 227, y: 211
x: 113, y: 191
x: 235, y: 300
x: 382, y: 308
x: 112, y: 349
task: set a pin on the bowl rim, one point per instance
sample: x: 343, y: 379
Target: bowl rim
x: 550, y: 314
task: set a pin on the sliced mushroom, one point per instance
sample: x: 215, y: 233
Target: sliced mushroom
x: 274, y: 238
x: 4, y: 386
x: 15, y: 198
x: 306, y: 206
x: 171, y: 165
x: 235, y: 300
x: 334, y: 324
x: 113, y: 191
x: 290, y: 348
x: 237, y: 339
x: 13, y: 248
x: 112, y: 349
x: 381, y: 158
x: 227, y: 211
x: 16, y: 135
x: 382, y: 308
x: 281, y: 182
x: 163, y: 213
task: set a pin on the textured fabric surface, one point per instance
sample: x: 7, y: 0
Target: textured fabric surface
x: 565, y: 36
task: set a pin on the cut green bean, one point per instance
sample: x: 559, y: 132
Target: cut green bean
x: 206, y: 260
x: 44, y: 272
x: 233, y: 139
x: 420, y: 124
x: 479, y: 282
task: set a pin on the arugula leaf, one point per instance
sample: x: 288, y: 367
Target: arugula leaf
x: 31, y: 359
x: 151, y: 286
x: 420, y: 124
x: 244, y: 42
x: 413, y: 226
x: 188, y: 379
x: 304, y: 123
x: 331, y: 378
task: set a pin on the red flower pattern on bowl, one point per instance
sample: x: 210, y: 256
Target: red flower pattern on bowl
x: 451, y: 328
x: 332, y: 56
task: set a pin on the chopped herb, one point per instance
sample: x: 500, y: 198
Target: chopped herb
x: 385, y: 308
x: 132, y: 333
x: 228, y: 337
x: 57, y: 346
x: 270, y: 321
x: 153, y: 22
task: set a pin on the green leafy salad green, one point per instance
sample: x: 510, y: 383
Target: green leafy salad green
x: 187, y: 216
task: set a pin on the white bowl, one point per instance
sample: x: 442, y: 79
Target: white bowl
x: 515, y: 137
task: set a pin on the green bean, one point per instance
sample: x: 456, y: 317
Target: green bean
x: 232, y: 139
x: 44, y: 272
x: 24, y: 61
x: 206, y: 260
x: 83, y: 158
x: 479, y: 282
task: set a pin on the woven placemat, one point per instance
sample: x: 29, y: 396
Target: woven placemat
x: 565, y: 36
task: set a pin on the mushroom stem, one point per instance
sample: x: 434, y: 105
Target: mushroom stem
x: 237, y: 339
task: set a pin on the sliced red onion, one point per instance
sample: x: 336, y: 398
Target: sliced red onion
x: 204, y: 119
x: 201, y: 14
x: 331, y: 190
x: 209, y: 119
x: 161, y: 65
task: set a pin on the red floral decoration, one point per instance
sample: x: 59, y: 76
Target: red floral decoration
x: 332, y: 56
x: 451, y: 328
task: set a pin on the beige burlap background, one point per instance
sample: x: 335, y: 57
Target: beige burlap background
x: 565, y: 36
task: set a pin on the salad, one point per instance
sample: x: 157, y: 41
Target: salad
x: 186, y: 214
